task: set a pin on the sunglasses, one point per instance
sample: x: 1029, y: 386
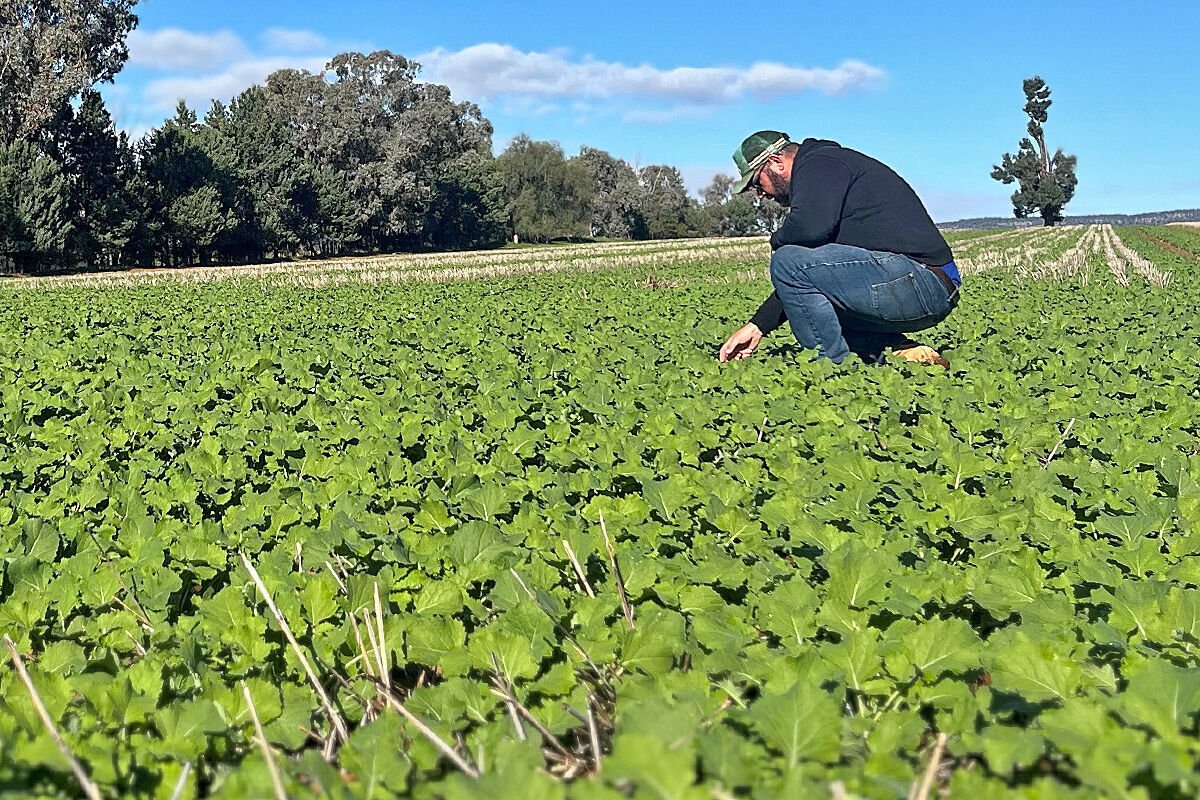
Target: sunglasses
x: 754, y: 181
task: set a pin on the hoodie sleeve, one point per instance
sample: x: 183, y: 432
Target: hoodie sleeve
x: 819, y: 187
x: 770, y: 314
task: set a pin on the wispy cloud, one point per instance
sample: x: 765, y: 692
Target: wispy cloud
x: 490, y: 70
x: 201, y: 90
x: 287, y: 40
x: 199, y: 67
x: 174, y: 50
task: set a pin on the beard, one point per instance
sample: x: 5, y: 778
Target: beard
x: 777, y: 188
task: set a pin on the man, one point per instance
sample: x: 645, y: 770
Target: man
x: 857, y: 262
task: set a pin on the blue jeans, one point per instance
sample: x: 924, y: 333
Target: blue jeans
x: 841, y: 299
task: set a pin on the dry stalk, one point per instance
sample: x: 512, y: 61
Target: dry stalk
x: 429, y: 734
x: 366, y: 659
x: 837, y: 790
x: 559, y: 629
x: 337, y: 578
x: 922, y: 793
x: 381, y: 647
x: 181, y: 784
x: 260, y: 739
x: 506, y: 692
x: 334, y: 717
x: 583, y: 581
x: 1058, y: 444
x: 594, y: 735
x: 548, y: 737
x: 136, y: 644
x: 89, y: 788
x: 370, y: 628
x: 626, y: 609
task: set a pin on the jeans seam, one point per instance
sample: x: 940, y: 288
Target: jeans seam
x: 809, y: 321
x: 812, y: 327
x: 807, y: 267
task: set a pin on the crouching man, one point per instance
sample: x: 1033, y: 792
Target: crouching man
x: 857, y: 262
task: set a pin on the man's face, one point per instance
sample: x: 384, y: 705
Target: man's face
x: 774, y: 180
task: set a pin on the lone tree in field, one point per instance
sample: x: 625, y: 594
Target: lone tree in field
x: 1047, y: 184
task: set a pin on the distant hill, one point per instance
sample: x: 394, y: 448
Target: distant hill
x: 1149, y: 218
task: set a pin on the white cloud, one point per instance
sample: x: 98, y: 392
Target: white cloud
x: 200, y: 91
x: 286, y: 40
x: 490, y: 70
x: 172, y: 49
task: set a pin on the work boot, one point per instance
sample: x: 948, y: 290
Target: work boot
x: 920, y: 354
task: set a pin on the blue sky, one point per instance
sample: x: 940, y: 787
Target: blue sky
x: 931, y: 88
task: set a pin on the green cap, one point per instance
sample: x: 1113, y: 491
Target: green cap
x: 754, y: 152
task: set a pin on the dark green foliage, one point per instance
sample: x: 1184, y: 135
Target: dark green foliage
x: 99, y: 164
x: 616, y: 205
x: 469, y: 210
x: 35, y: 221
x: 187, y: 198
x: 1047, y: 183
x: 548, y: 196
x: 664, y: 202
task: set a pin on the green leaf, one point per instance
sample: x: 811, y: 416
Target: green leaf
x: 185, y: 727
x: 1036, y: 670
x: 374, y: 760
x: 858, y: 575
x: 477, y: 542
x: 857, y: 660
x: 1162, y: 696
x: 804, y: 724
x: 931, y: 648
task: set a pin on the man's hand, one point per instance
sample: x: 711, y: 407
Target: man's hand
x: 742, y: 343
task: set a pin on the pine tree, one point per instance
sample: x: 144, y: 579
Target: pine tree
x: 35, y: 221
x: 98, y: 163
x: 186, y: 212
x: 1046, y: 183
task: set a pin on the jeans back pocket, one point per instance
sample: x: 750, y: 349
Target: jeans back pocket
x: 900, y: 300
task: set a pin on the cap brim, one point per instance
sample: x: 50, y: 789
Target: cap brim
x: 743, y: 183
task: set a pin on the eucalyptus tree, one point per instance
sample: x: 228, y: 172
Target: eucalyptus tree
x: 742, y: 214
x: 50, y: 51
x: 376, y: 159
x: 665, y: 204
x: 615, y: 207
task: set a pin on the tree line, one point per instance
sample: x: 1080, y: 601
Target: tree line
x: 360, y: 158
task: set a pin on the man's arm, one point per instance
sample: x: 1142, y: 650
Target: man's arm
x: 746, y: 338
x: 770, y: 314
x: 819, y: 188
